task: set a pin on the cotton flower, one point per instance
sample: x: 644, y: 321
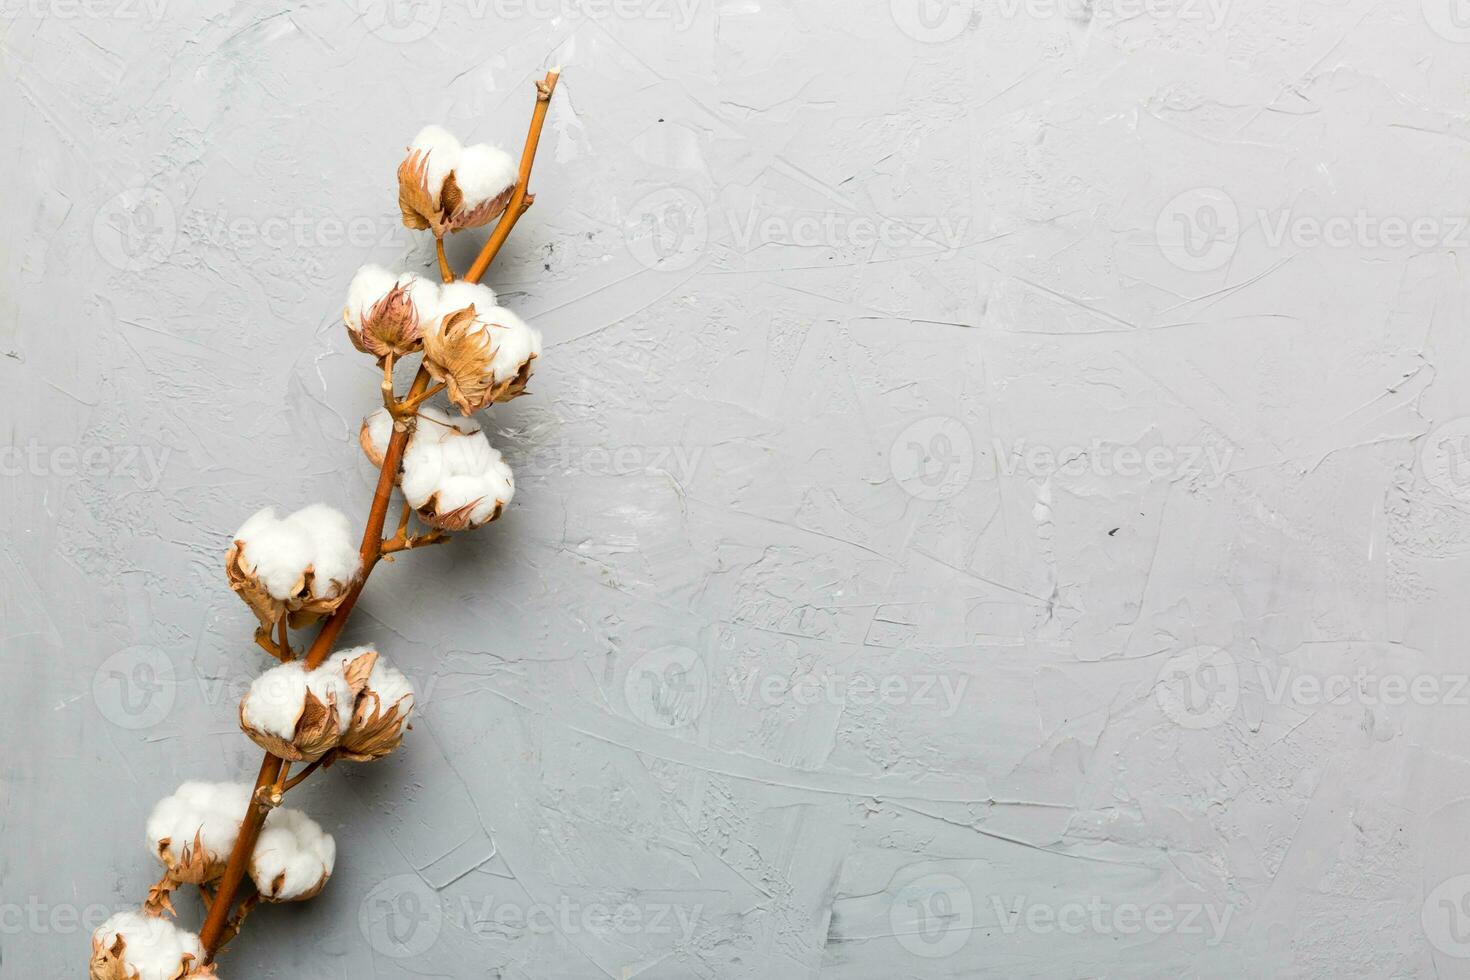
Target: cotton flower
x: 133, y: 946
x: 450, y: 473
x: 481, y: 351
x: 381, y: 713
x: 456, y: 481
x: 299, y: 714
x: 387, y: 313
x: 293, y: 857
x: 443, y: 186
x: 192, y: 832
x: 302, y: 565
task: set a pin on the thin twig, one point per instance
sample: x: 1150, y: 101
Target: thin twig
x: 396, y: 544
x: 300, y: 777
x: 264, y: 641
x: 411, y: 405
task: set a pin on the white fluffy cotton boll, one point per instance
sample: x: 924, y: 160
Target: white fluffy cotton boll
x: 484, y: 173
x: 293, y: 857
x: 383, y: 707
x: 514, y: 341
x: 274, y: 552
x: 482, y: 355
x: 483, y: 177
x: 277, y: 697
x: 386, y: 313
x: 150, y: 948
x: 208, y: 812
x: 457, y: 480
x: 298, y: 714
x: 278, y: 551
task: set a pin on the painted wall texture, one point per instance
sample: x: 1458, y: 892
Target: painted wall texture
x: 995, y: 500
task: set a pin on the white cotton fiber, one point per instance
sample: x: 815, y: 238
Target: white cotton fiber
x: 441, y: 149
x: 277, y: 697
x: 457, y: 295
x: 294, y: 845
x: 455, y: 461
x: 448, y: 456
x: 373, y: 282
x: 278, y: 551
x: 212, y: 811
x: 515, y: 342
x: 386, y: 681
x: 155, y: 948
x: 274, y: 552
x: 484, y: 173
x: 334, y: 556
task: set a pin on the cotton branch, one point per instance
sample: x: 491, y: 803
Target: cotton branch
x: 273, y: 779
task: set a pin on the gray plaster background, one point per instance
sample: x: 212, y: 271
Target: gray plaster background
x: 993, y: 502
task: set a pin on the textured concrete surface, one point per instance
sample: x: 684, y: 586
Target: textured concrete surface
x: 994, y: 502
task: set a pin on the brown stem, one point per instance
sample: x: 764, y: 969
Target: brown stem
x: 263, y: 639
x: 446, y: 271
x: 224, y: 897
x: 521, y: 199
x: 286, y: 653
x: 400, y: 542
x: 300, y: 777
